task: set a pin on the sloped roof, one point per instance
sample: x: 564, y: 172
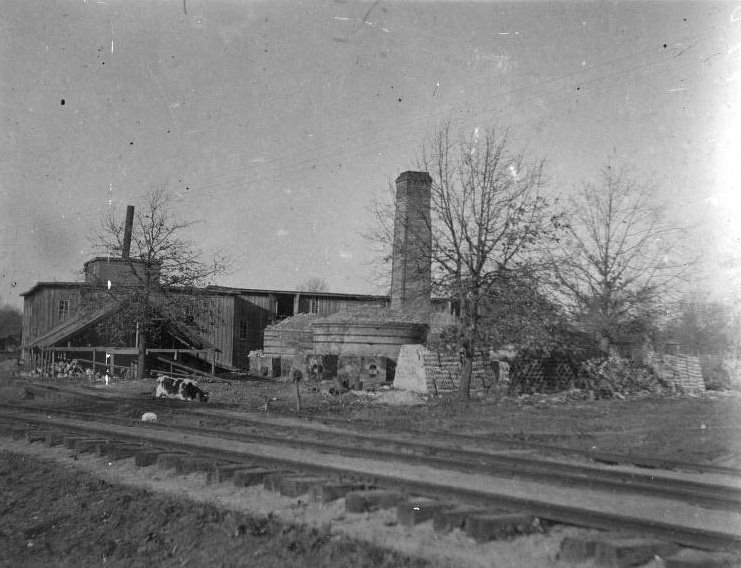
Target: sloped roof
x: 39, y: 285
x: 71, y: 326
x: 264, y: 292
x: 79, y: 322
x: 299, y: 322
x: 191, y: 335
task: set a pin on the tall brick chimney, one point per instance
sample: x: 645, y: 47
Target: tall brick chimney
x: 411, y: 264
x: 126, y: 247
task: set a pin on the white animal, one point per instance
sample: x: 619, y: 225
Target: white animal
x: 149, y: 417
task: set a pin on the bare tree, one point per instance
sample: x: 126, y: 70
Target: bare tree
x: 707, y: 327
x: 166, y: 269
x: 313, y: 284
x: 490, y: 221
x: 620, y: 254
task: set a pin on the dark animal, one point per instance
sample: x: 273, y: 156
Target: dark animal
x: 179, y: 389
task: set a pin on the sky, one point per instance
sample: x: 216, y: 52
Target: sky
x: 274, y: 124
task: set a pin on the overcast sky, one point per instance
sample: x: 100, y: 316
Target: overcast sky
x: 276, y: 122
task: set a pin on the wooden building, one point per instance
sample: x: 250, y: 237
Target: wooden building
x: 246, y: 312
x: 68, y: 319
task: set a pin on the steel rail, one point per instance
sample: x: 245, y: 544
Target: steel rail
x: 691, y: 491
x: 559, y: 512
x: 607, y: 458
x: 469, y: 460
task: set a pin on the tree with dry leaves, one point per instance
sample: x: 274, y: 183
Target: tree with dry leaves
x: 313, y: 284
x: 621, y: 257
x: 168, y: 273
x: 490, y: 222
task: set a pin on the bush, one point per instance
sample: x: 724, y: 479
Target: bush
x: 543, y: 371
x: 717, y: 377
x: 606, y: 377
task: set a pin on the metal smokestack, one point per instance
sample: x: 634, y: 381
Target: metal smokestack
x: 127, y: 232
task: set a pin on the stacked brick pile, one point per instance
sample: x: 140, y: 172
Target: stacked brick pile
x: 684, y: 372
x: 291, y: 334
x: 422, y: 370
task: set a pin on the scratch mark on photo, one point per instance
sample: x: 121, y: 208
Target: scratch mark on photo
x: 162, y: 91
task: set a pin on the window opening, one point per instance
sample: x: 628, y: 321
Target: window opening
x: 63, y: 309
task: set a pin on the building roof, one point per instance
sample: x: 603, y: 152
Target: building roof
x: 71, y: 326
x: 79, y: 322
x: 54, y: 284
x: 221, y: 290
x: 338, y: 295
x: 299, y: 322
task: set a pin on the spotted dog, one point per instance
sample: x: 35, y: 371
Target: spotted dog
x: 179, y: 389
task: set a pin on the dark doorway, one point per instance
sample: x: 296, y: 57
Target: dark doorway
x: 284, y: 306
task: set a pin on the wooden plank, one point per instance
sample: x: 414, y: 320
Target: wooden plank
x: 196, y: 351
x: 114, y: 350
x: 125, y: 367
x: 193, y: 370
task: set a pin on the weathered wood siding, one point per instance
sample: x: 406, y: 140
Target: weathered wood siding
x: 217, y: 321
x: 323, y: 306
x: 41, y: 309
x: 256, y: 313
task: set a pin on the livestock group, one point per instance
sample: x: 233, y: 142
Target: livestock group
x: 179, y: 389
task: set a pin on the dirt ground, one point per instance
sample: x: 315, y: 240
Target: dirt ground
x: 52, y: 515
x: 62, y: 509
x: 78, y: 511
x: 704, y: 428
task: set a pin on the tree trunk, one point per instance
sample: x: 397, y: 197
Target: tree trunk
x: 142, y: 355
x: 464, y: 386
x: 470, y: 315
x: 298, y: 398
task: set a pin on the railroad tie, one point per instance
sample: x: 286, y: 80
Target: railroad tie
x: 447, y: 519
x: 36, y: 436
x: 615, y: 550
x: 621, y: 552
x: 295, y: 485
x: 116, y: 450
x: 331, y: 491
x: 250, y: 476
x: 170, y: 460
x: 146, y: 458
x: 417, y: 510
x: 497, y: 525
x: 272, y: 481
x: 191, y: 464
x: 14, y: 431
x: 371, y: 500
x: 54, y: 438
x: 122, y: 451
x: 83, y: 444
x: 220, y: 473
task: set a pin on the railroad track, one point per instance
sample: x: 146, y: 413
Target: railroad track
x: 492, y: 441
x: 495, y: 462
x: 700, y: 513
